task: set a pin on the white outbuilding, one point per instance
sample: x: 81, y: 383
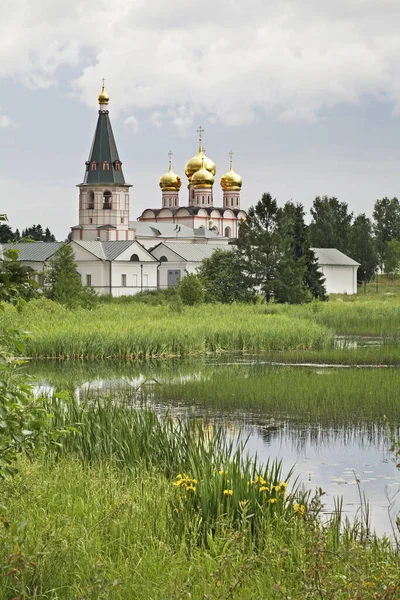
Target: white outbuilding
x: 339, y: 270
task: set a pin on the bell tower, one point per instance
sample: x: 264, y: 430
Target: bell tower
x: 103, y: 195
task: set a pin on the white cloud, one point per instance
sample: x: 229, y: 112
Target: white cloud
x: 132, y: 124
x: 6, y: 122
x: 224, y: 60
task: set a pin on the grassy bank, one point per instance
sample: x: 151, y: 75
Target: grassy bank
x: 136, y: 330
x: 137, y: 507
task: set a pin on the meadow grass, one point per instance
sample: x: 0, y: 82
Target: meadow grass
x: 95, y: 519
x: 137, y: 330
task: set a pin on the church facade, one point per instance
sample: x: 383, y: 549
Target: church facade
x: 104, y: 194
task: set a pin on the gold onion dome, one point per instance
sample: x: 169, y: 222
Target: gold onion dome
x: 197, y: 162
x: 170, y: 181
x: 104, y: 98
x: 231, y: 181
x: 203, y: 178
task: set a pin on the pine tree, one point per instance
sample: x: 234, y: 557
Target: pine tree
x: 63, y: 280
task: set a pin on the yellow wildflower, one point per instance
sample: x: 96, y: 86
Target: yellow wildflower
x: 299, y: 508
x: 264, y: 488
x: 228, y: 492
x: 283, y: 484
x: 190, y: 488
x: 221, y: 472
x: 179, y: 476
x: 277, y: 488
x: 272, y: 500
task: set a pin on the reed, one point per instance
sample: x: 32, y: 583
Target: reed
x: 135, y: 330
x: 100, y: 532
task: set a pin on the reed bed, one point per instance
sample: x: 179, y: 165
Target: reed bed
x: 135, y: 330
x: 98, y: 532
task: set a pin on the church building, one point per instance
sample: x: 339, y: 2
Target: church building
x: 200, y: 210
x: 104, y: 194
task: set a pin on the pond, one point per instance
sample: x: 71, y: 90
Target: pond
x: 328, y: 423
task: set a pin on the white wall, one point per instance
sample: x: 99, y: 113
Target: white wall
x: 340, y: 279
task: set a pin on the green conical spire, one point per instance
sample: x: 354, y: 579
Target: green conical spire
x: 103, y: 165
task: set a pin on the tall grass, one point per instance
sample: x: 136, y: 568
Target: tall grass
x: 99, y: 532
x: 138, y: 330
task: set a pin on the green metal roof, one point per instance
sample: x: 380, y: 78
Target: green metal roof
x: 332, y: 256
x: 103, y: 148
x: 193, y: 252
x: 108, y: 250
x: 32, y: 251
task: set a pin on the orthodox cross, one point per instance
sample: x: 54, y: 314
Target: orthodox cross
x: 231, y: 157
x: 104, y: 81
x: 170, y: 155
x: 200, y: 131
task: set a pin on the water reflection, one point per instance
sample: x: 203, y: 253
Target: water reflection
x: 330, y: 427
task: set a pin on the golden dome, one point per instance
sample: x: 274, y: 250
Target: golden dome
x: 170, y: 181
x: 231, y: 181
x: 203, y: 178
x: 196, y: 163
x: 104, y: 98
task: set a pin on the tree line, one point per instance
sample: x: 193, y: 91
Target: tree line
x: 35, y: 233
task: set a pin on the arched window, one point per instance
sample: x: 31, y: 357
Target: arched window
x: 91, y: 200
x: 106, y: 165
x: 107, y: 200
x: 227, y: 232
x: 134, y: 258
x: 163, y: 259
x: 117, y: 165
x: 93, y: 165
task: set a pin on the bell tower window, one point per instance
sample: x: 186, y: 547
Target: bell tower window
x: 106, y: 165
x: 93, y: 166
x: 91, y: 201
x: 107, y: 200
x: 117, y: 165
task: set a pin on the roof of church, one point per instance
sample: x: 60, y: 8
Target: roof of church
x: 193, y: 252
x: 332, y: 256
x: 32, y: 251
x: 171, y: 230
x: 193, y: 210
x: 103, y: 148
x: 109, y: 250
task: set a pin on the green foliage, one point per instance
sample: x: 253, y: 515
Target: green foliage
x: 274, y: 251
x: 16, y: 279
x: 223, y: 278
x: 24, y: 422
x: 363, y: 248
x: 63, y: 282
x: 191, y: 289
x: 392, y: 260
x: 331, y: 224
x: 37, y: 234
x: 386, y: 225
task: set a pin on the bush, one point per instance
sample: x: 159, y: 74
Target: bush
x: 191, y: 290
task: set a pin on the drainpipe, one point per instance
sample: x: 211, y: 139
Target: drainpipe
x: 158, y: 275
x: 141, y: 277
x: 110, y: 276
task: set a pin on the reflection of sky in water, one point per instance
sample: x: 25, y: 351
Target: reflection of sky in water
x: 323, y: 456
x: 332, y: 467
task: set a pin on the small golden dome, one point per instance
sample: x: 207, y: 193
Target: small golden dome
x: 231, y: 181
x: 104, y: 98
x: 203, y: 178
x: 197, y: 162
x: 170, y: 181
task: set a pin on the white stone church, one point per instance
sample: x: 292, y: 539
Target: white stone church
x: 121, y: 257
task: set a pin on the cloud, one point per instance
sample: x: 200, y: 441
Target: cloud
x: 132, y: 124
x: 6, y: 122
x: 224, y: 60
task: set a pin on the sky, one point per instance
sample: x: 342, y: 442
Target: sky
x: 306, y: 93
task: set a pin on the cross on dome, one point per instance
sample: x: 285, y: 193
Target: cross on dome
x: 231, y: 158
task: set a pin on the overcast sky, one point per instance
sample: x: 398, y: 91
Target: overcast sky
x: 305, y: 92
